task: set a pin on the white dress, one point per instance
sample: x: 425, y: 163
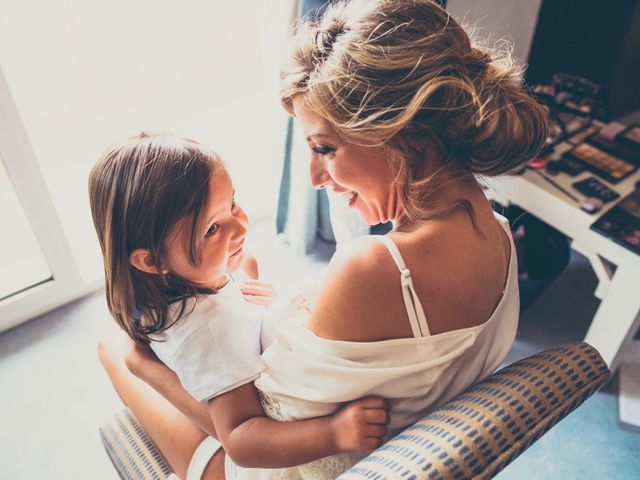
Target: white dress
x: 307, y: 376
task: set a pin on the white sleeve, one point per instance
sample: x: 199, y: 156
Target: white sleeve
x: 214, y: 357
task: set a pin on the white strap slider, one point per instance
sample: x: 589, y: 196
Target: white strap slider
x: 405, y: 277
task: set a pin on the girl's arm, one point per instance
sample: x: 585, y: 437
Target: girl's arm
x: 253, y: 440
x: 143, y: 363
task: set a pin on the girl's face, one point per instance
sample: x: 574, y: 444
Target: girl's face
x: 222, y: 236
x: 363, y: 175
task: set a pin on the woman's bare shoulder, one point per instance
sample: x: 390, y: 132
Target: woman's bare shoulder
x: 360, y: 294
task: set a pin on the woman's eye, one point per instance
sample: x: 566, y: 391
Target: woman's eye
x: 212, y: 230
x: 233, y: 204
x: 323, y: 149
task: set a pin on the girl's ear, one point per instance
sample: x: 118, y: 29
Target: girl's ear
x: 141, y: 259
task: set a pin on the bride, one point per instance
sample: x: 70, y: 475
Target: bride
x: 401, y: 112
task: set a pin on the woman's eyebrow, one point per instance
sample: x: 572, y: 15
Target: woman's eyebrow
x: 318, y: 135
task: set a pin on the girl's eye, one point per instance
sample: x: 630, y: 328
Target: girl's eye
x: 233, y: 204
x: 212, y: 230
x: 323, y: 149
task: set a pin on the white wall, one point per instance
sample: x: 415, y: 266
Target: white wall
x: 514, y: 20
x: 85, y: 73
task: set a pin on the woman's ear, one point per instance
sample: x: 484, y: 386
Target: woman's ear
x: 141, y: 259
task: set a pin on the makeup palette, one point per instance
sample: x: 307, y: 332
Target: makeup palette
x: 622, y: 222
x: 630, y: 137
x: 618, y: 148
x: 602, y: 163
x: 592, y: 187
x: 582, y: 135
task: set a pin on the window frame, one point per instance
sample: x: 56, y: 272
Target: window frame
x: 66, y: 283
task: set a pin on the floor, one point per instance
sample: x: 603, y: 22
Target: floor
x: 55, y: 394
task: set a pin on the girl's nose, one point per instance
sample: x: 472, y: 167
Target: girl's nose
x: 318, y: 174
x: 242, y: 221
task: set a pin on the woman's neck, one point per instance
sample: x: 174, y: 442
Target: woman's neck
x: 466, y: 189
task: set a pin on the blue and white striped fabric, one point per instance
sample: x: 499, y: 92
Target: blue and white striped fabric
x: 473, y: 436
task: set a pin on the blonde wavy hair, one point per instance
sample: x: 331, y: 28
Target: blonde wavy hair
x: 405, y: 75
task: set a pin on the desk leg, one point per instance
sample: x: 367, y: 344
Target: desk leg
x: 616, y: 315
x: 629, y: 393
x: 600, y: 268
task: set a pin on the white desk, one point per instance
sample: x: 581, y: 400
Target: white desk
x: 618, y: 287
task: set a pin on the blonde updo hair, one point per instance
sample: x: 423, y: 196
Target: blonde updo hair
x: 405, y: 75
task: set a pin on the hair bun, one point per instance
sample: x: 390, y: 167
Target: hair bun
x: 324, y: 40
x: 404, y: 74
x: 328, y: 32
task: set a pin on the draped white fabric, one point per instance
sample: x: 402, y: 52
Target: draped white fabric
x: 308, y: 376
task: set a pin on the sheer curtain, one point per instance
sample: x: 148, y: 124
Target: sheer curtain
x: 303, y: 213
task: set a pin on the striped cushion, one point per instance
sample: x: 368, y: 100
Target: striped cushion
x: 482, y: 430
x: 131, y: 450
x: 475, y: 435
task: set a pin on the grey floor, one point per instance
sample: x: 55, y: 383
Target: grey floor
x: 54, y: 394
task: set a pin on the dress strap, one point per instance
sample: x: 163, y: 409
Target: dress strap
x: 417, y: 318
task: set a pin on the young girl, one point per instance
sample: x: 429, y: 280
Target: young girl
x: 171, y: 233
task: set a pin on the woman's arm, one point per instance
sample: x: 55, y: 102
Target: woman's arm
x: 253, y: 440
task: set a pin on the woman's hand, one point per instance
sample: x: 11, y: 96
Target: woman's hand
x: 360, y: 425
x: 258, y: 292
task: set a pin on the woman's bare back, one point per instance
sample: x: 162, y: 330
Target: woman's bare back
x: 458, y: 272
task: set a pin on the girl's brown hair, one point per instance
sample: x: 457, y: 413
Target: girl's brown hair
x: 404, y: 74
x: 138, y: 190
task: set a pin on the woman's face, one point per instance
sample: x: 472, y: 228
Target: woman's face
x: 363, y: 175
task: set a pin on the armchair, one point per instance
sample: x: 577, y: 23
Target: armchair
x: 474, y: 435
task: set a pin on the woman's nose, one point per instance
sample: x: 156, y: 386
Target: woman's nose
x: 318, y: 174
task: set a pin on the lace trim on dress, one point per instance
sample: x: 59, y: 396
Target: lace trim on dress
x: 327, y: 468
x: 301, y: 302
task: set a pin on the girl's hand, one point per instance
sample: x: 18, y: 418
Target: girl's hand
x: 258, y: 292
x: 360, y: 425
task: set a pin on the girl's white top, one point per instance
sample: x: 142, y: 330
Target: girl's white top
x: 308, y: 376
x: 215, y: 347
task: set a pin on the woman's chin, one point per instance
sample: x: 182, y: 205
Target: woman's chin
x: 369, y: 217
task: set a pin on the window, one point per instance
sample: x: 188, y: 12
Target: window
x: 84, y: 74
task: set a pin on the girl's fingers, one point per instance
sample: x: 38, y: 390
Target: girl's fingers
x: 373, y: 442
x: 373, y: 401
x: 257, y: 288
x: 267, y: 298
x: 258, y: 300
x: 254, y: 291
x: 377, y: 415
x: 257, y: 284
x: 376, y: 431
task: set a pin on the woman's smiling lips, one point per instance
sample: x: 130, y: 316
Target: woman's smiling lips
x: 240, y: 248
x: 350, y: 195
